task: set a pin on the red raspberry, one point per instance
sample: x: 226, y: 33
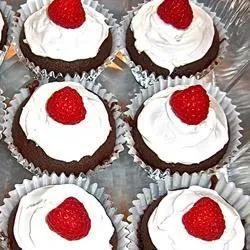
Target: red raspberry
x: 67, y: 13
x: 66, y: 106
x: 70, y: 219
x: 176, y: 12
x: 191, y: 105
x: 205, y: 220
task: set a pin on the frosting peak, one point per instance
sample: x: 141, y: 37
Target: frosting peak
x: 167, y: 46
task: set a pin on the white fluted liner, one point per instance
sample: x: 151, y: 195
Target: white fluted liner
x: 90, y: 85
x: 8, y: 14
x: 2, y: 113
x: 226, y: 103
x: 145, y: 78
x: 28, y: 185
x: 32, y: 6
x: 234, y: 196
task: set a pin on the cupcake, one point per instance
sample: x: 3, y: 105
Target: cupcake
x: 64, y: 215
x: 6, y: 15
x: 64, y: 127
x: 64, y: 36
x: 183, y: 128
x: 3, y: 30
x: 192, y: 217
x: 173, y: 38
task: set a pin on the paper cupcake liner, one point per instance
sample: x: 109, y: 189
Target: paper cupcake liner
x: 28, y: 185
x: 34, y: 5
x: 92, y: 86
x: 2, y: 113
x: 234, y: 196
x: 145, y: 78
x: 225, y: 102
x: 8, y: 14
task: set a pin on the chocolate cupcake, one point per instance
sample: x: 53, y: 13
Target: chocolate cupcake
x: 6, y: 15
x: 172, y: 38
x: 64, y: 36
x: 181, y: 129
x: 62, y: 213
x: 3, y: 30
x: 185, y: 212
x: 64, y: 127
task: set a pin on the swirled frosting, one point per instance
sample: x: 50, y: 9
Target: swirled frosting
x: 1, y: 25
x: 47, y: 39
x: 167, y: 46
x: 168, y: 232
x: 173, y: 140
x: 65, y: 142
x: 33, y: 233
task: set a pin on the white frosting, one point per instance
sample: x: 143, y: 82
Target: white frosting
x: 1, y: 25
x: 167, y: 46
x: 47, y: 39
x: 175, y: 141
x: 65, y: 142
x: 168, y: 232
x: 33, y: 233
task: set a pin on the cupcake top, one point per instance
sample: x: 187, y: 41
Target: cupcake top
x: 66, y: 30
x: 1, y: 25
x: 172, y: 33
x: 196, y: 218
x: 62, y: 217
x: 183, y: 124
x: 66, y: 120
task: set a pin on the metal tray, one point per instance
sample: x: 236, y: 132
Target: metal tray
x: 123, y: 180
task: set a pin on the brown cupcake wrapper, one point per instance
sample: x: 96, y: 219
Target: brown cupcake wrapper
x: 28, y: 185
x: 225, y: 102
x: 145, y: 78
x: 234, y: 196
x: 34, y: 5
x: 92, y: 86
x: 8, y: 14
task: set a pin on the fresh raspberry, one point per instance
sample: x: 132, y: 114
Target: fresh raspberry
x: 70, y: 219
x: 176, y: 12
x: 191, y: 105
x: 67, y: 13
x: 66, y: 106
x: 205, y: 220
